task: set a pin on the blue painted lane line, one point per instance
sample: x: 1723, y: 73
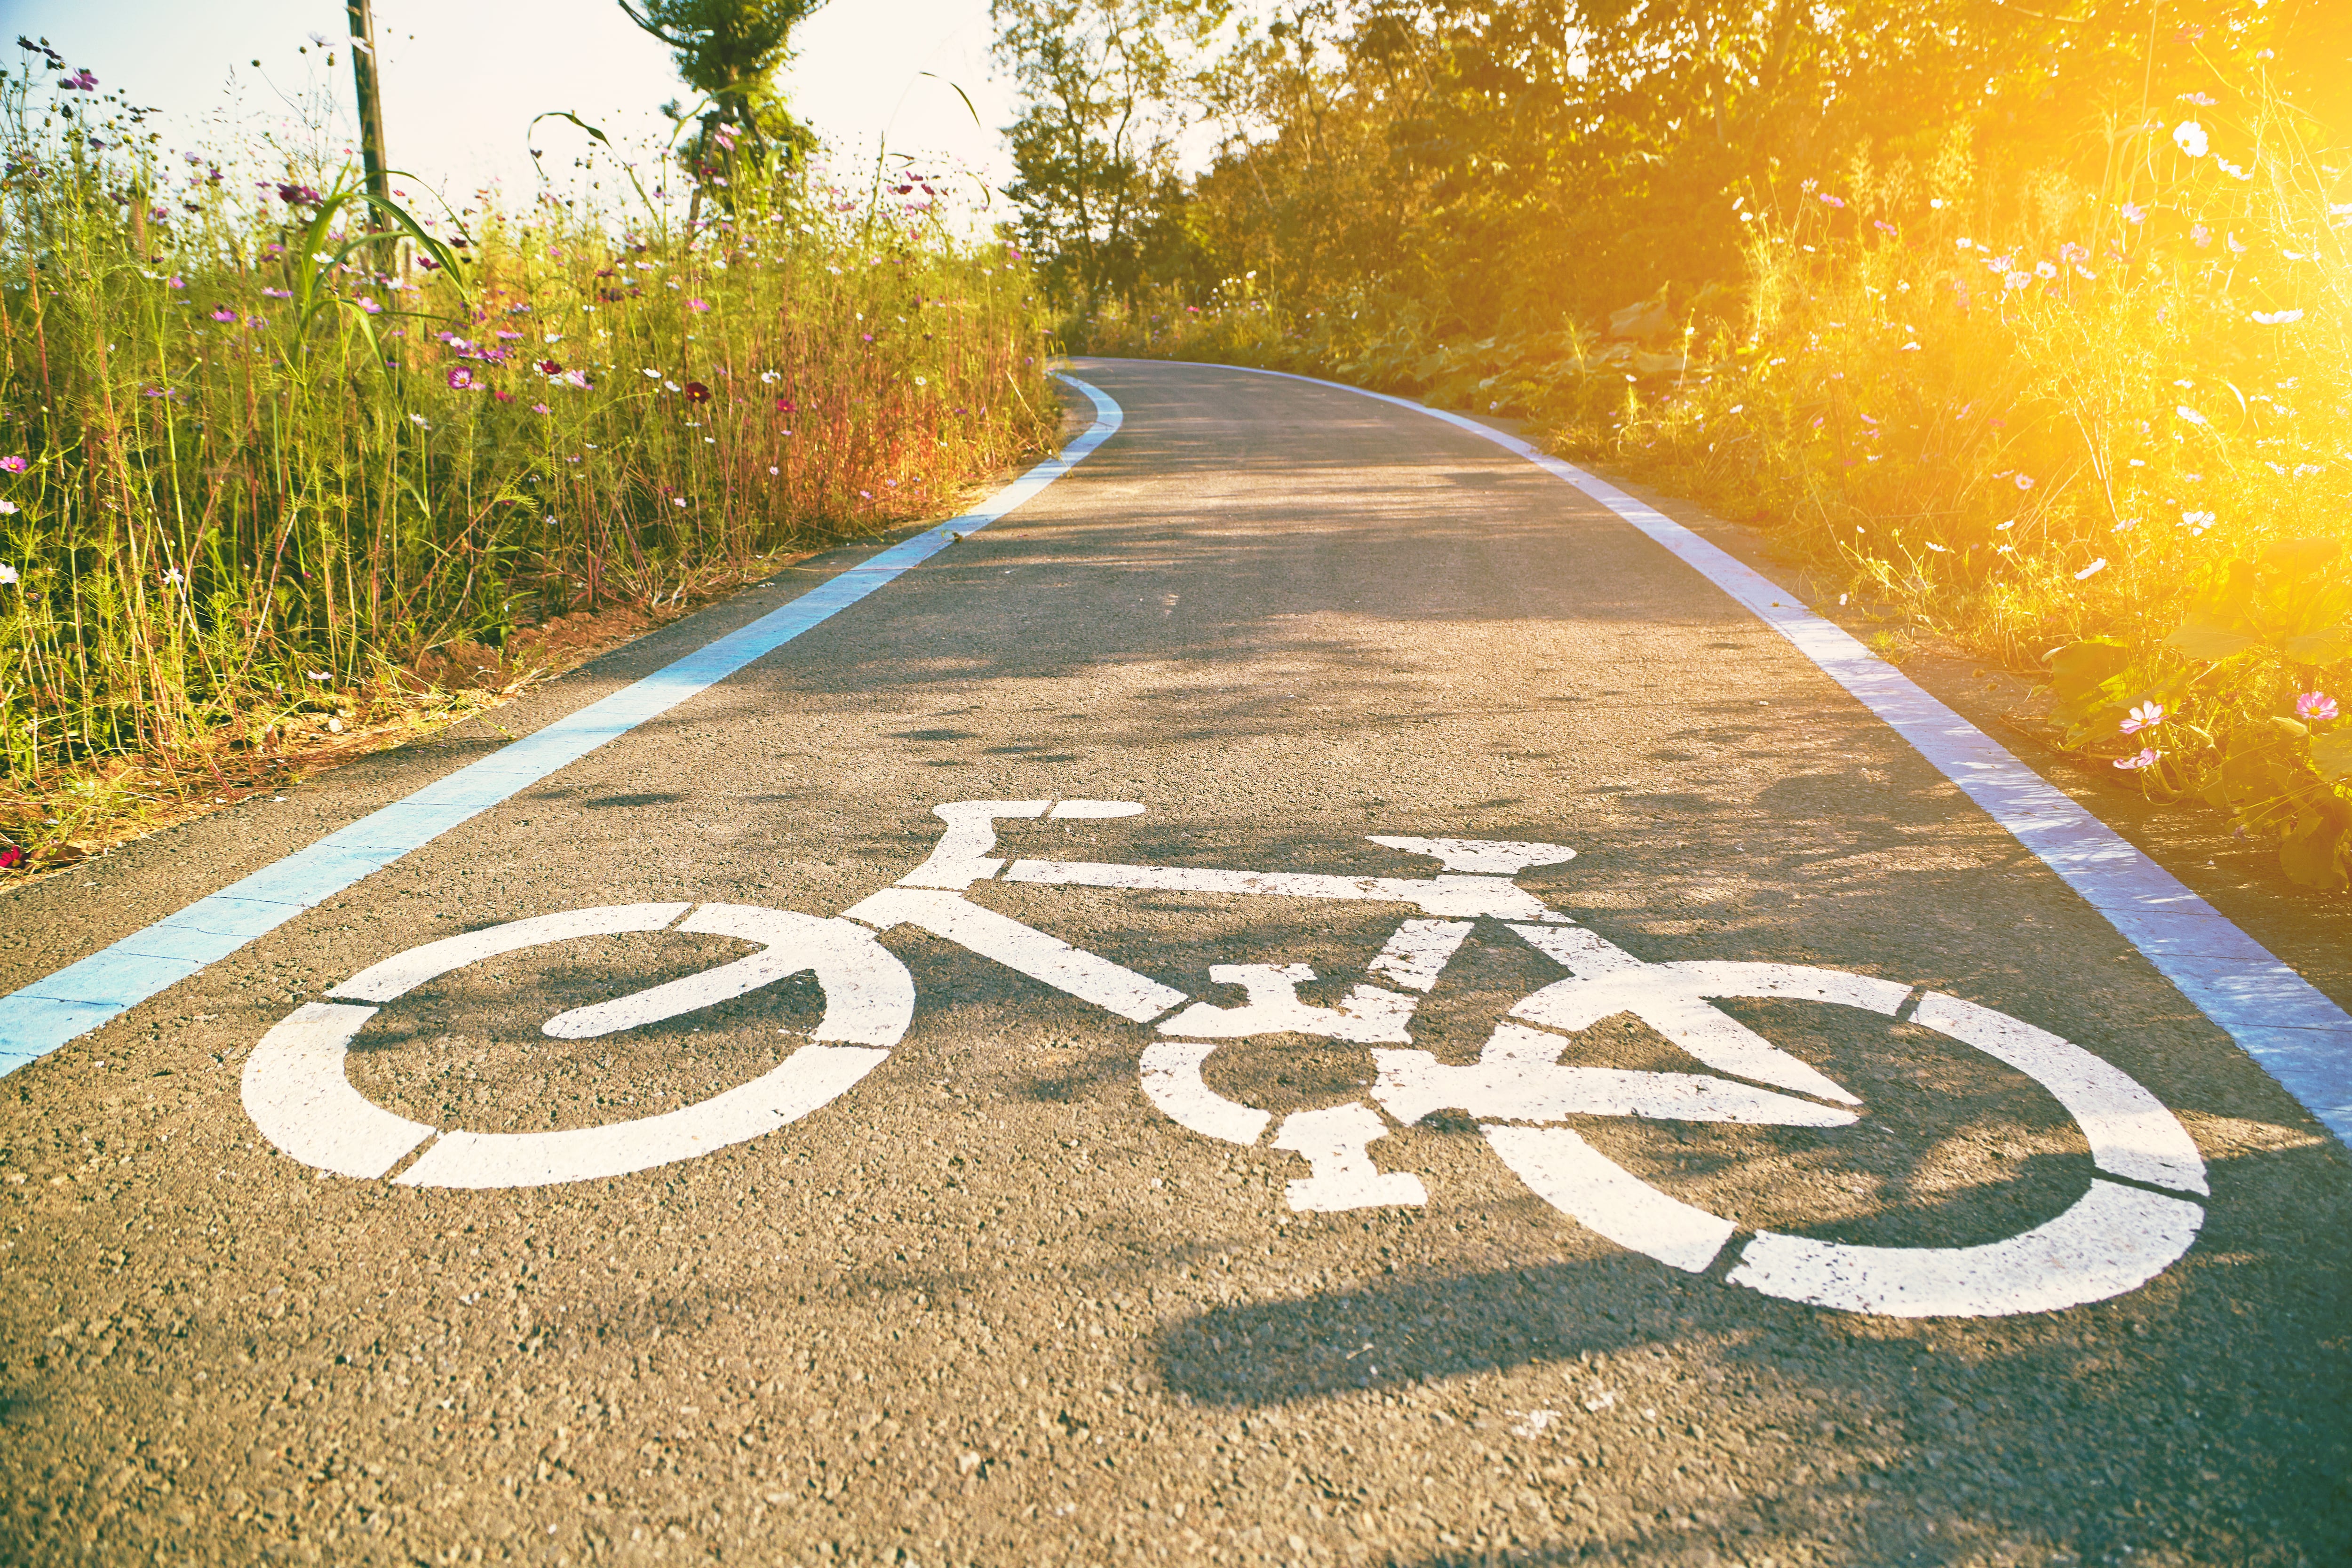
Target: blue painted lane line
x: 2291, y: 1028
x: 76, y: 999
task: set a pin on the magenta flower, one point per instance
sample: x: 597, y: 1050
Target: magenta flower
x: 175, y: 282
x: 13, y: 464
x: 2146, y: 758
x: 2147, y: 716
x: 370, y: 306
x: 539, y: 408
x: 697, y: 304
x: 299, y: 195
x: 278, y: 293
x: 1831, y: 201
x: 460, y: 378
x: 81, y: 81
x: 224, y: 315
x: 2315, y: 706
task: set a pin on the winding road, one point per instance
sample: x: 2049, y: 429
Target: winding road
x: 1445, y: 1020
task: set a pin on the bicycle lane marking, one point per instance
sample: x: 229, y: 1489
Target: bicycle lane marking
x: 38, y: 1018
x: 2290, y: 1029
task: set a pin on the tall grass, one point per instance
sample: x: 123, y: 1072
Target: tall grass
x: 257, y: 459
x: 2094, y: 429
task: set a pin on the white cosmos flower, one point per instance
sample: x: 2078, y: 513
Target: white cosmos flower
x: 2277, y: 317
x: 2190, y: 137
x: 2093, y: 570
x: 7, y: 574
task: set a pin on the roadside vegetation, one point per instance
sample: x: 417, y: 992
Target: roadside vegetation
x: 2031, y: 329
x: 283, y: 463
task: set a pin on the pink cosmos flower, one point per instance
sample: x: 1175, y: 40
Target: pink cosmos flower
x: 697, y: 304
x: 224, y: 315
x: 460, y: 378
x: 2024, y: 481
x: 2147, y: 716
x: 370, y: 306
x: 13, y: 464
x: 539, y: 408
x: 2146, y: 758
x: 2315, y: 706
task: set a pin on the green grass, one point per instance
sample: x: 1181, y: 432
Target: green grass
x: 2098, y: 434
x: 267, y: 464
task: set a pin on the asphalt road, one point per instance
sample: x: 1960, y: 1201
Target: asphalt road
x: 991, y: 1305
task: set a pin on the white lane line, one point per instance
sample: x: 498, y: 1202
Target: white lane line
x: 2291, y: 1028
x: 44, y: 1014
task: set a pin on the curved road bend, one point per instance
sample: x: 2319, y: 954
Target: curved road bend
x: 992, y: 1305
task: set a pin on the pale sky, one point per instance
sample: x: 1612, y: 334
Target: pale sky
x: 462, y: 79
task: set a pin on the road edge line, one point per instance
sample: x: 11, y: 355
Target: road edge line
x: 62, y: 1006
x: 2293, y: 1030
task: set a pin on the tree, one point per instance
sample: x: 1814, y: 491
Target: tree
x: 728, y: 50
x: 1093, y: 150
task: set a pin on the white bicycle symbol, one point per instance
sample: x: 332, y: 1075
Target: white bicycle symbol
x: 2116, y: 1235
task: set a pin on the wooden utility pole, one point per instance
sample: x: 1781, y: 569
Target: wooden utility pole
x: 371, y: 102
